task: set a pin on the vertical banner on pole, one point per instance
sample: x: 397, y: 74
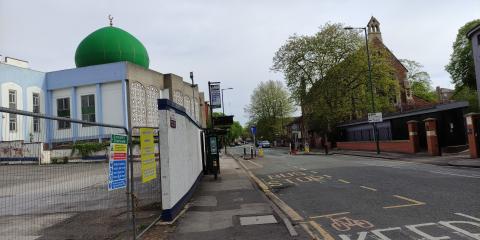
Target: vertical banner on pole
x: 117, y: 177
x: 147, y: 155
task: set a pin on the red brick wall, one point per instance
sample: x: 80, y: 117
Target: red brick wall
x: 400, y: 146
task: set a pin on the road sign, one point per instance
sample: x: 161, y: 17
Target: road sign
x: 375, y: 117
x: 215, y: 96
x: 253, y: 130
x: 117, y: 177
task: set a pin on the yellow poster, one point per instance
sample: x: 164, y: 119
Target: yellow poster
x: 147, y: 155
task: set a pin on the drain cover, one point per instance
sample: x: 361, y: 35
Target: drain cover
x: 266, y: 219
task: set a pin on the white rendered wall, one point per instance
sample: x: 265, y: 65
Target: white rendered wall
x: 181, y: 157
x: 8, y: 135
x: 61, y: 134
x: 86, y: 131
x: 36, y: 136
x: 112, y: 105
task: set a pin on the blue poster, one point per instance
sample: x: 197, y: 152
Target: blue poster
x: 117, y: 164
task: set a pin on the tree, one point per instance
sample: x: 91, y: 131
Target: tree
x: 304, y: 60
x: 234, y: 132
x: 419, y: 80
x: 269, y: 104
x: 344, y: 93
x: 461, y: 66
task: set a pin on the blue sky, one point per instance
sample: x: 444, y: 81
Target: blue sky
x: 228, y: 41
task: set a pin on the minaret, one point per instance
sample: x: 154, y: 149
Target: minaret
x: 374, y: 29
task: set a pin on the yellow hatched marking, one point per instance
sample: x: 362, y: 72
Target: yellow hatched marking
x: 344, y: 181
x: 369, y: 188
x: 413, y: 203
x: 321, y: 230
x: 330, y: 215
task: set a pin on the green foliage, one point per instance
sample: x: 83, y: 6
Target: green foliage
x: 419, y: 80
x: 461, y: 66
x: 344, y: 93
x: 234, y: 132
x: 464, y: 93
x: 269, y: 104
x: 88, y: 148
x: 304, y: 60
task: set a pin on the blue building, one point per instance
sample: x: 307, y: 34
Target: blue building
x: 112, y: 84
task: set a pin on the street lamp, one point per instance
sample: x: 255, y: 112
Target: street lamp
x: 193, y: 97
x: 223, y: 106
x: 375, y: 137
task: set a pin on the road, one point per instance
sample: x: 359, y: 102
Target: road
x: 350, y: 197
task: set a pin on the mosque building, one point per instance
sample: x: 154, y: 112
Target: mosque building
x: 112, y: 84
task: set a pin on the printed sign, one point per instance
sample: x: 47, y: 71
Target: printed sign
x: 375, y: 117
x: 147, y: 155
x: 173, y: 119
x: 117, y: 177
x: 213, y: 145
x: 215, y: 96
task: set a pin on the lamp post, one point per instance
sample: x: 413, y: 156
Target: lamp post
x: 223, y: 106
x: 193, y: 97
x: 375, y: 137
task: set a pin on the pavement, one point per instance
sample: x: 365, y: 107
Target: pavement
x: 461, y: 159
x: 231, y: 207
x: 346, y: 197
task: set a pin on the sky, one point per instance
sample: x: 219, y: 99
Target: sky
x: 230, y: 41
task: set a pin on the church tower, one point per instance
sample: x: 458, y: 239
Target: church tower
x: 374, y: 29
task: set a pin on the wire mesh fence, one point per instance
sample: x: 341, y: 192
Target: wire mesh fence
x: 147, y: 194
x: 54, y: 178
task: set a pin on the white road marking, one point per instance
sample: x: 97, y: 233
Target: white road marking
x: 379, y: 233
x: 426, y: 236
x: 468, y: 216
x: 450, y: 225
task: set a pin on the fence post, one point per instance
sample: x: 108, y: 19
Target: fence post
x: 472, y: 128
x: 432, y: 138
x: 130, y: 195
x: 413, y: 135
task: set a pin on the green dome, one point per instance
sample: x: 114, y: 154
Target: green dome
x: 110, y: 44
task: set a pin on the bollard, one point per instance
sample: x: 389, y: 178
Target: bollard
x: 251, y: 153
x: 244, y: 152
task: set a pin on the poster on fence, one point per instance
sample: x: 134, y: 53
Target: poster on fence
x: 117, y: 177
x: 147, y: 155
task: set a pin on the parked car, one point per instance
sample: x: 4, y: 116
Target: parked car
x: 263, y: 144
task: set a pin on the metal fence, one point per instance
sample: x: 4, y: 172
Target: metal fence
x: 54, y: 176
x: 147, y: 196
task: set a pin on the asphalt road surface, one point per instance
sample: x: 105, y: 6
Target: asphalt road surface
x: 350, y: 197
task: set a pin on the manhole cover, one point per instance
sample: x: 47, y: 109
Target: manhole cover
x: 266, y: 219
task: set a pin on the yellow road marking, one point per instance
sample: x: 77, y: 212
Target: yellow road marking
x: 307, y: 229
x: 344, y: 181
x: 330, y: 215
x: 413, y: 203
x: 254, y: 163
x: 323, y: 232
x: 369, y: 188
x: 294, y: 216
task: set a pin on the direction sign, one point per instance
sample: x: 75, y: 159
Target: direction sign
x: 375, y: 117
x: 253, y: 130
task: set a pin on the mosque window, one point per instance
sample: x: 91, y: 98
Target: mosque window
x: 63, y: 110
x: 12, y: 104
x: 88, y: 108
x: 36, y: 109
